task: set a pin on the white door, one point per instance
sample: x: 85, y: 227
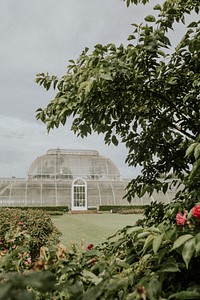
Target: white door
x: 79, y: 194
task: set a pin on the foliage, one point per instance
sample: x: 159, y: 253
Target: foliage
x: 22, y: 233
x: 154, y: 213
x: 121, y: 207
x: 48, y: 209
x: 156, y: 259
x: 145, y: 94
x: 131, y: 211
x: 138, y: 262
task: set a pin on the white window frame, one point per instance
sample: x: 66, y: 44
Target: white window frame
x: 76, y: 184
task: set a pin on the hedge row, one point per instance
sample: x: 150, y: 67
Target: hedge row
x: 121, y: 207
x: 52, y: 209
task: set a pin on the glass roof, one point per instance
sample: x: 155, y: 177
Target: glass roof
x: 69, y: 164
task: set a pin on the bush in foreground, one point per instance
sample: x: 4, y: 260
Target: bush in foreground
x: 22, y: 233
x: 142, y: 262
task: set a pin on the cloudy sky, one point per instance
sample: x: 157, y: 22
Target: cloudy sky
x: 42, y: 36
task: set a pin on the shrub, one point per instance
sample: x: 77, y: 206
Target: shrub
x: 131, y: 211
x: 138, y: 262
x: 43, y: 208
x: 121, y: 207
x: 22, y: 233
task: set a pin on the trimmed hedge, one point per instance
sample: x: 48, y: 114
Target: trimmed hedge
x: 43, y: 208
x: 121, y: 207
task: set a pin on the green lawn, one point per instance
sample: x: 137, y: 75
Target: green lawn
x: 91, y: 228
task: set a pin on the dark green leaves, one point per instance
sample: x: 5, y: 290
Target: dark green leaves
x: 128, y: 2
x: 150, y: 18
x: 144, y: 94
x: 183, y: 295
x: 114, y: 140
x: 157, y: 7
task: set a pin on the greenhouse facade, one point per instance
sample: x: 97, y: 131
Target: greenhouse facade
x: 77, y: 179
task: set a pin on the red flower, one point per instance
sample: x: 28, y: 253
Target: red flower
x: 181, y: 219
x: 196, y: 211
x: 89, y: 247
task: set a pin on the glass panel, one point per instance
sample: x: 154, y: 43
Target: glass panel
x: 79, y: 196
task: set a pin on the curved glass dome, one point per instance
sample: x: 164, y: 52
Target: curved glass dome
x: 70, y: 164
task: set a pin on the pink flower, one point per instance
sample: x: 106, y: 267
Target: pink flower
x: 28, y: 261
x: 19, y: 223
x: 181, y: 219
x: 196, y: 211
x: 92, y: 261
x: 89, y: 247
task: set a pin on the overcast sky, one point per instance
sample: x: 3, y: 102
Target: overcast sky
x: 42, y: 36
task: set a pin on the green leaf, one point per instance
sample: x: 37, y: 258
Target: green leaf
x: 162, y: 253
x: 157, y: 7
x: 193, y: 24
x: 122, y: 264
x: 114, y: 140
x: 143, y: 234
x: 157, y: 242
x: 91, y: 277
x: 148, y: 241
x: 134, y: 229
x: 63, y: 111
x: 118, y: 243
x: 131, y: 37
x: 106, y: 76
x: 82, y: 85
x: 165, y: 187
x: 91, y: 253
x: 197, y: 151
x: 89, y: 86
x: 197, y: 244
x: 145, y: 258
x: 170, y: 267
x: 181, y: 240
x: 154, y: 289
x: 150, y: 18
x: 183, y: 295
x: 172, y: 11
x: 172, y: 80
x: 195, y: 169
x: 188, y: 251
x: 135, y: 25
x: 190, y: 149
x: 162, y: 53
x: 55, y: 84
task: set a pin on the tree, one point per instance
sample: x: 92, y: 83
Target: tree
x: 145, y: 94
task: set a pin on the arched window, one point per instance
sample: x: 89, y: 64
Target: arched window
x: 79, y: 194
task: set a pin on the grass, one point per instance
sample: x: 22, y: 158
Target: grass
x: 91, y: 228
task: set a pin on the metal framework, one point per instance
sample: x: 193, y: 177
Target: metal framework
x: 75, y: 178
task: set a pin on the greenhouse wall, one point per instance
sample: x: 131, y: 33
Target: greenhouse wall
x: 59, y: 193
x: 51, y: 181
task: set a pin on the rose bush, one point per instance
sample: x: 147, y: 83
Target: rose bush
x: 22, y: 233
x: 139, y: 262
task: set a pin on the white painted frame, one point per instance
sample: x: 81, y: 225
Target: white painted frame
x: 79, y: 198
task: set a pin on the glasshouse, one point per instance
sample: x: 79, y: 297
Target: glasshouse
x: 77, y: 179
